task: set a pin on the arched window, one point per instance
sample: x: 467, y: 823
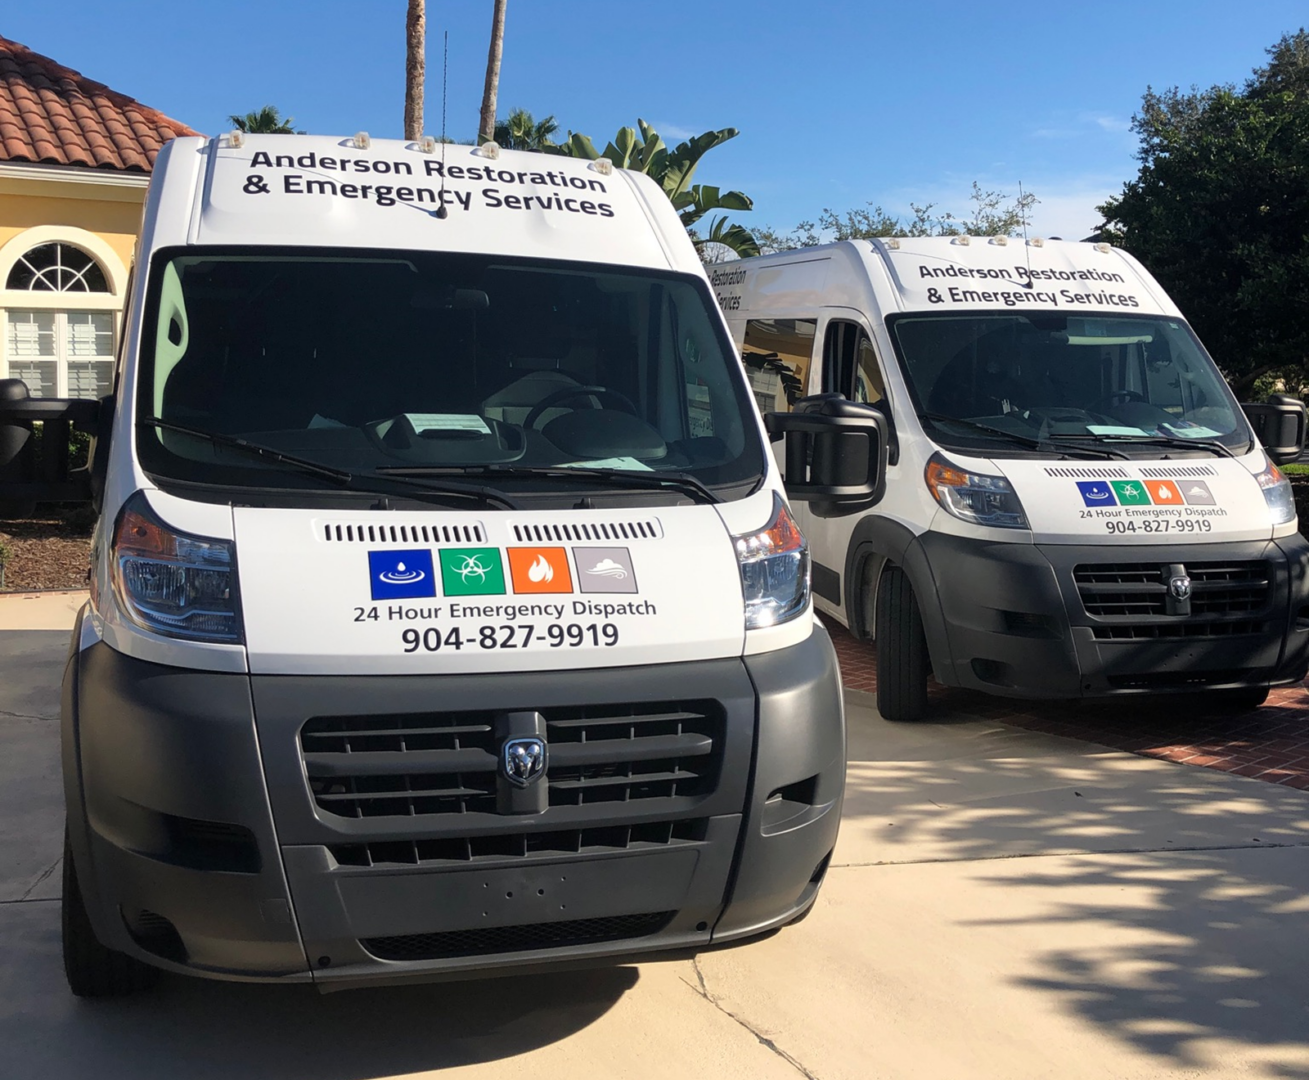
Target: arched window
x: 59, y: 351
x: 57, y: 268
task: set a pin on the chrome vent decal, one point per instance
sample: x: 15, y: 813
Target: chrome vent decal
x: 333, y: 532
x: 649, y: 529
x: 1110, y: 472
x: 1172, y: 472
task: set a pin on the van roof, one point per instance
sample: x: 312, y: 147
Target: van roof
x: 326, y: 191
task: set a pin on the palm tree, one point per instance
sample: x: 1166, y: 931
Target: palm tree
x: 267, y: 121
x: 486, y: 124
x: 521, y: 131
x: 415, y: 67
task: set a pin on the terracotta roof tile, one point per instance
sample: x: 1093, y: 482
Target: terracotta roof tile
x: 56, y: 116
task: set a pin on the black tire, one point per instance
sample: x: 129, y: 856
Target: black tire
x: 92, y: 970
x: 903, y: 663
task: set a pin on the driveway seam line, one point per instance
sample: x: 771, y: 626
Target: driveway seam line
x: 44, y: 874
x: 1075, y: 853
x: 703, y: 991
x: 23, y: 716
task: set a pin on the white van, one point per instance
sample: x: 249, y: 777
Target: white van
x: 446, y: 612
x: 1075, y: 505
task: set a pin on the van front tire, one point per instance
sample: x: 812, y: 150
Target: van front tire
x: 92, y: 970
x: 903, y: 663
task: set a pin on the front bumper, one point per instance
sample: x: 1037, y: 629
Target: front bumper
x: 213, y: 835
x: 1063, y: 621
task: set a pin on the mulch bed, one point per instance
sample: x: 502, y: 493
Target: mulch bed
x: 50, y: 550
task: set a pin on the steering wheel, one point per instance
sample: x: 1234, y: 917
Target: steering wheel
x: 570, y: 392
x: 1114, y: 395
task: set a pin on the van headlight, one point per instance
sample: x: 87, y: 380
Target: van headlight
x: 978, y: 498
x: 1277, y: 494
x: 172, y: 583
x: 774, y: 570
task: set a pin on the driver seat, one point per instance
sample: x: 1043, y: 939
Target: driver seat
x: 511, y: 404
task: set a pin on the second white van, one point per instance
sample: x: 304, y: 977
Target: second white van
x: 1076, y: 506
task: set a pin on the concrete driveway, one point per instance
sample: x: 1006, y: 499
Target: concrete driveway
x: 1002, y: 904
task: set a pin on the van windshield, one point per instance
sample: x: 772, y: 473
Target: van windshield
x: 1070, y: 378
x: 506, y: 371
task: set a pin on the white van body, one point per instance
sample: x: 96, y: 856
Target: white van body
x: 334, y: 724
x: 1117, y: 549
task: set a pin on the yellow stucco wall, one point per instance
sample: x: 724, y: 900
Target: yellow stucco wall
x: 114, y: 222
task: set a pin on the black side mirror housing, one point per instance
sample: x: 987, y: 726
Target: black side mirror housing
x: 35, y: 468
x: 836, y: 453
x: 1280, y: 425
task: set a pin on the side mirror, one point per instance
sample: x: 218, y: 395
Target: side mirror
x: 835, y: 454
x: 35, y: 467
x: 1279, y: 425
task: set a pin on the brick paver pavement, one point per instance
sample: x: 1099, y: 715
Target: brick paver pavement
x: 1270, y: 743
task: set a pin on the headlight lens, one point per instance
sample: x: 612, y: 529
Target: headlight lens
x: 172, y: 583
x: 1277, y: 494
x: 774, y: 570
x: 975, y: 497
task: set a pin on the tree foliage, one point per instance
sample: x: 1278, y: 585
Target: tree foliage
x: 1219, y: 213
x: 993, y: 214
x: 520, y: 130
x: 672, y: 170
x: 267, y: 121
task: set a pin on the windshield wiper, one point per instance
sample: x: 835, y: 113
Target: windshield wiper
x: 1211, y: 445
x: 688, y: 485
x: 1013, y: 436
x: 345, y: 479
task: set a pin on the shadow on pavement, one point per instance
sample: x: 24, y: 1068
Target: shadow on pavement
x: 193, y: 1028
x: 1180, y: 927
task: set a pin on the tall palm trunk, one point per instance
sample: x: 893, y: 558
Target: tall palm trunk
x: 415, y: 67
x: 486, y: 128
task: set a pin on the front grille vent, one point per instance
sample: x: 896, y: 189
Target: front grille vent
x: 649, y: 529
x: 445, y: 763
x: 1177, y: 472
x: 508, y: 939
x: 464, y: 849
x: 1087, y: 472
x: 1223, y: 597
x: 351, y: 533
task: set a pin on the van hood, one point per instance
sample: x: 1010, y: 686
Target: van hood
x: 1139, y: 502
x: 445, y: 593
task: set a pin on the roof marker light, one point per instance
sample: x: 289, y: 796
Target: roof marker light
x: 999, y: 241
x: 893, y: 244
x: 1036, y: 241
x: 1103, y: 248
x: 603, y: 166
x: 427, y: 145
x: 489, y: 150
x: 361, y: 141
x: 962, y: 241
x: 236, y: 139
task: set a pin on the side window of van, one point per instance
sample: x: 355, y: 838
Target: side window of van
x: 850, y: 364
x: 777, y: 354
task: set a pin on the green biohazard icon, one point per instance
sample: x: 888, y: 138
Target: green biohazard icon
x: 1130, y: 492
x: 472, y: 571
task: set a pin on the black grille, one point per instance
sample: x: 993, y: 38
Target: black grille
x: 463, y: 849
x: 445, y: 763
x: 1219, y: 591
x: 505, y: 939
x: 617, y: 755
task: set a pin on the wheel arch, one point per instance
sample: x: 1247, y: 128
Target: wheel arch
x: 875, y: 543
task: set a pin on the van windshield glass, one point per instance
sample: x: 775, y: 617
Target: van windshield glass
x: 437, y: 366
x: 1069, y: 378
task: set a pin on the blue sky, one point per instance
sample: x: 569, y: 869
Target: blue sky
x: 838, y: 104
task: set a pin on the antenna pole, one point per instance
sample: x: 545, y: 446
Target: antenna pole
x: 441, y: 211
